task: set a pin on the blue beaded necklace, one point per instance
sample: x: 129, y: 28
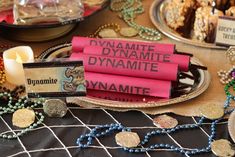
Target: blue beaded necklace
x: 86, y: 140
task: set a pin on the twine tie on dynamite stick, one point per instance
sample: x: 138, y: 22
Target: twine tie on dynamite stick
x: 86, y: 140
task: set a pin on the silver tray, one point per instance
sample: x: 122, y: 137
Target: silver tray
x: 199, y: 85
x: 157, y: 17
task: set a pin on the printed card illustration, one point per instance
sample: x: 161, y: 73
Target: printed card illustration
x: 55, y: 79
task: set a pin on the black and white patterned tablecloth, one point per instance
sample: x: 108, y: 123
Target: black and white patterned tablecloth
x: 56, y: 137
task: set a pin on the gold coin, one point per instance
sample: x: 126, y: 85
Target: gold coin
x: 165, y: 121
x: 212, y: 111
x: 128, y: 32
x: 222, y: 148
x: 127, y: 139
x: 23, y: 118
x: 108, y: 33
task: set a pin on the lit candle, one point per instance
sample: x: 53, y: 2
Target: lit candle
x: 13, y: 59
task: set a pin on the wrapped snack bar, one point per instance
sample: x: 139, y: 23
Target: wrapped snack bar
x: 220, y: 4
x: 205, y: 24
x: 179, y: 15
x: 230, y: 11
x: 204, y: 3
x: 46, y: 11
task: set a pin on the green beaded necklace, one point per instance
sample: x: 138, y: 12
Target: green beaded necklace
x: 19, y: 103
x: 128, y: 14
x: 226, y: 88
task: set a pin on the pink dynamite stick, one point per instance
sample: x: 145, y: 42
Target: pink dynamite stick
x: 182, y: 60
x: 128, y: 85
x: 128, y: 67
x: 122, y: 96
x: 78, y: 44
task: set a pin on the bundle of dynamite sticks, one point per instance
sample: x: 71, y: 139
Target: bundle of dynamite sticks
x: 130, y: 68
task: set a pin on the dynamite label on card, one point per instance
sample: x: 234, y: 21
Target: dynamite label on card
x: 54, y: 79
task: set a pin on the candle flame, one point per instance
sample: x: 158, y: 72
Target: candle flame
x: 18, y: 58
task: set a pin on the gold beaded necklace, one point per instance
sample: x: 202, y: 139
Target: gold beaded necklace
x: 113, y: 26
x: 2, y: 70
